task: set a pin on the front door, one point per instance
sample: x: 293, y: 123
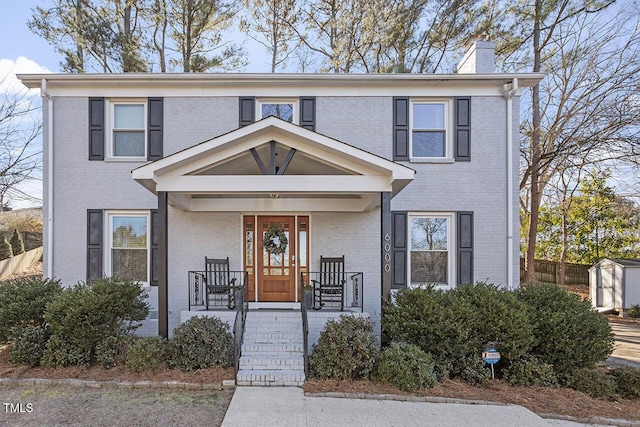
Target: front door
x: 276, y: 271
x: 273, y: 275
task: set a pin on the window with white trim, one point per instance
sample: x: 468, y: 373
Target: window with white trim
x: 431, y: 249
x: 431, y: 129
x: 128, y: 234
x: 285, y: 109
x: 127, y: 129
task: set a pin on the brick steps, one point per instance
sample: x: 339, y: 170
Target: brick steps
x: 272, y: 349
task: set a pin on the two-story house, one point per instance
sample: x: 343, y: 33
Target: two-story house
x: 401, y: 180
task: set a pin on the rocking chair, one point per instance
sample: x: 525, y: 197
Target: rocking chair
x: 329, y: 289
x: 218, y: 283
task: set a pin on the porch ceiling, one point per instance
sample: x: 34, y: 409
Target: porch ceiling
x: 273, y: 165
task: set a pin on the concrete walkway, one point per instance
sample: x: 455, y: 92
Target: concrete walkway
x: 288, y: 406
x: 626, y: 347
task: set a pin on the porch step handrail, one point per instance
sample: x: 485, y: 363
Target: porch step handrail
x: 305, y: 325
x: 242, y: 306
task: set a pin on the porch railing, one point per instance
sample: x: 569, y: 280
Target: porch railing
x: 222, y: 294
x: 337, y: 291
x: 305, y: 327
x: 242, y: 306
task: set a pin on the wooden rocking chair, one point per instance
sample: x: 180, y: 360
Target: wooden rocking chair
x: 329, y: 289
x: 218, y: 283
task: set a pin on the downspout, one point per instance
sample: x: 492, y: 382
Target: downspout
x: 510, y: 90
x: 49, y: 249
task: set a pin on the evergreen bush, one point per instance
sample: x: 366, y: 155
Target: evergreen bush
x: 593, y: 382
x: 17, y: 245
x: 5, y: 249
x: 407, y: 367
x: 627, y: 381
x: 568, y: 333
x: 23, y: 303
x: 146, y: 354
x: 112, y: 351
x: 346, y: 349
x: 83, y: 316
x: 29, y: 345
x: 201, y: 342
x: 530, y: 371
x: 634, y: 311
x: 455, y: 325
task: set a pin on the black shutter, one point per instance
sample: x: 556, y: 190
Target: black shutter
x: 465, y: 247
x: 154, y: 147
x: 399, y: 237
x: 308, y: 112
x: 154, y: 248
x: 95, y: 235
x: 247, y: 110
x: 400, y: 128
x: 96, y: 128
x: 462, y: 136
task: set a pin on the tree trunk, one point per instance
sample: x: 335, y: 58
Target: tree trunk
x: 535, y: 153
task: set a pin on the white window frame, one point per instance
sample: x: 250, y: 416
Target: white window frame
x: 292, y: 101
x: 109, y: 129
x: 109, y: 238
x: 451, y: 258
x: 448, y: 130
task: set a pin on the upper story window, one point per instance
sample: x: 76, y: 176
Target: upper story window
x: 285, y: 109
x: 430, y: 130
x: 431, y: 260
x: 128, y: 237
x: 128, y: 129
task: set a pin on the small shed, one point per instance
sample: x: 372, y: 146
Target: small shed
x: 614, y: 283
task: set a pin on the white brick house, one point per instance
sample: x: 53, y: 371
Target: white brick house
x: 412, y: 178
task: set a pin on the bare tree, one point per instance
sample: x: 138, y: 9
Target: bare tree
x: 270, y: 23
x: 585, y: 103
x: 20, y: 153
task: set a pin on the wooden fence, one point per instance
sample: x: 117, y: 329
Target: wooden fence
x: 549, y: 271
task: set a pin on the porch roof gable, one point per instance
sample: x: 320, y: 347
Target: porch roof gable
x: 228, y: 167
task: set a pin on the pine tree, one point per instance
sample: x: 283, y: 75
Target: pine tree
x: 17, y: 245
x: 5, y: 249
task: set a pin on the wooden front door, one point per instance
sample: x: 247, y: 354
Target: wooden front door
x: 276, y: 272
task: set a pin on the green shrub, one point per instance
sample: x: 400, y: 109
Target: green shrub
x: 634, y: 311
x: 346, y: 349
x: 475, y: 371
x: 5, y: 249
x: 29, y: 345
x: 407, y: 367
x: 23, y: 302
x: 627, y: 382
x: 593, y: 382
x: 112, y: 351
x: 455, y: 325
x: 146, y: 354
x: 529, y: 371
x: 201, y: 342
x: 568, y: 334
x: 62, y: 352
x: 17, y: 245
x: 83, y: 316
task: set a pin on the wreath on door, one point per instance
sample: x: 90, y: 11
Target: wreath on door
x: 275, y: 240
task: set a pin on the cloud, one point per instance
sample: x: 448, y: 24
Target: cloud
x: 9, y: 83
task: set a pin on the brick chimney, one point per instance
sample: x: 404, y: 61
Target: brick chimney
x: 479, y: 57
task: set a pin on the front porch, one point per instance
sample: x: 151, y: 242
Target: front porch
x: 273, y: 339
